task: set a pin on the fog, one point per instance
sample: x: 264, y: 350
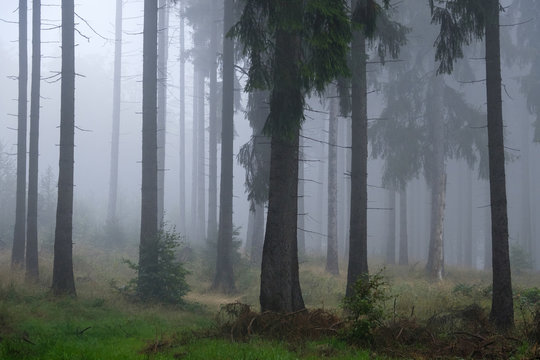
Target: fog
x: 94, y: 84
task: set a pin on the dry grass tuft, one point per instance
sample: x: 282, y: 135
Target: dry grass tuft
x: 239, y: 322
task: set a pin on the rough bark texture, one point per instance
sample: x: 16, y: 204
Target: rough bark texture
x: 435, y: 264
x: 502, y: 310
x: 224, y: 279
x: 63, y: 282
x: 148, y: 256
x: 437, y: 182
x: 163, y: 54
x: 32, y: 270
x: 391, y: 241
x: 403, y: 228
x: 213, y: 133
x: 358, y: 265
x: 280, y: 283
x: 332, y: 243
x: 19, y: 234
x: 182, y: 130
x: 115, y: 138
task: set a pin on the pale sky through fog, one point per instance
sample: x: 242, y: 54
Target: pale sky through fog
x: 94, y: 62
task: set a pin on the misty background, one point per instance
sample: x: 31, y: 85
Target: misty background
x: 94, y: 84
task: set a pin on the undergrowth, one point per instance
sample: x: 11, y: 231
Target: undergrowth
x: 414, y: 319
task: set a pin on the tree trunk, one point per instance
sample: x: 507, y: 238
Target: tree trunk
x: 194, y: 158
x: 391, y: 241
x: 468, y: 250
x: 249, y: 231
x: 163, y: 54
x: 332, y: 244
x: 201, y: 153
x: 358, y: 265
x: 321, y: 192
x: 213, y: 133
x: 117, y: 90
x: 502, y: 310
x: 257, y: 234
x: 32, y: 269
x: 19, y: 234
x: 437, y: 171
x: 148, y: 256
x: 403, y: 229
x: 435, y: 264
x: 347, y: 190
x: 301, y: 201
x: 460, y: 213
x: 526, y: 237
x: 182, y: 130
x: 280, y: 283
x: 487, y: 233
x: 63, y: 281
x: 224, y: 279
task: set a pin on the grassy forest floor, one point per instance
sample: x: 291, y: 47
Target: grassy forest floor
x: 421, y: 319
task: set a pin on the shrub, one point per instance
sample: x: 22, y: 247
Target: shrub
x: 166, y: 282
x: 365, y: 308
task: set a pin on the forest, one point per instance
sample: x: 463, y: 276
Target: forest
x: 269, y: 179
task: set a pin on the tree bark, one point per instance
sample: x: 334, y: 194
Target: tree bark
x: 224, y: 279
x: 182, y: 129
x: 257, y: 235
x: 148, y: 256
x: 117, y: 90
x: 32, y: 269
x: 280, y: 283
x: 487, y: 233
x: 19, y: 234
x: 403, y: 228
x: 163, y: 54
x: 63, y: 282
x: 391, y: 241
x: 332, y: 243
x: 437, y: 181
x: 201, y: 154
x: 194, y: 158
x: 358, y: 265
x: 526, y: 237
x: 301, y: 202
x: 213, y: 133
x: 468, y: 249
x: 435, y: 264
x: 502, y: 310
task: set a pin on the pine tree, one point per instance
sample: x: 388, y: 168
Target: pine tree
x: 372, y: 26
x: 32, y: 269
x: 19, y: 234
x: 462, y: 21
x: 148, y: 252
x: 63, y: 282
x: 304, y: 56
x: 224, y: 277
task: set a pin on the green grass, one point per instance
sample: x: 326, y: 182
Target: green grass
x: 101, y: 324
x: 38, y: 326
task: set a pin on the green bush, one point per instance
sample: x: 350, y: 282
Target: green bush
x: 365, y: 308
x: 166, y: 282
